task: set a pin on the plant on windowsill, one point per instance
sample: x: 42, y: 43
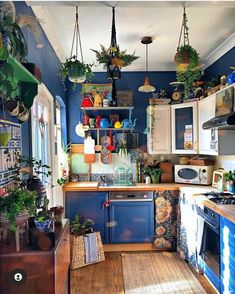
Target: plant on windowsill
x: 17, y: 206
x: 230, y: 180
x: 153, y: 172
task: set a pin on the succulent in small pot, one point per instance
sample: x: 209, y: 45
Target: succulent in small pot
x: 75, y: 70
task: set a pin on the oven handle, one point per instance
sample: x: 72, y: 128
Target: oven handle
x: 215, y: 228
x: 211, y: 224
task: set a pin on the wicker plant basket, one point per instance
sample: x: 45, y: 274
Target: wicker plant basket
x: 77, y: 249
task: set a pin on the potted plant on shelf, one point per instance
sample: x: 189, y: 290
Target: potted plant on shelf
x: 82, y: 237
x: 75, y: 70
x: 230, y: 180
x: 44, y: 217
x: 16, y: 207
x: 154, y: 173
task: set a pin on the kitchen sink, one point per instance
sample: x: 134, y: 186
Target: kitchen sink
x: 111, y: 184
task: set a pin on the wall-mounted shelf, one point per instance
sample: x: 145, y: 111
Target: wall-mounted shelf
x: 113, y: 129
x: 20, y: 72
x: 107, y: 108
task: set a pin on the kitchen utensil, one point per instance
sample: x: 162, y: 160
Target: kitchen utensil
x: 111, y: 147
x: 87, y: 102
x: 98, y: 100
x: 117, y: 125
x: 86, y: 119
x: 89, y: 149
x: 98, y: 146
x: 106, y: 155
x: 97, y: 121
x: 104, y: 123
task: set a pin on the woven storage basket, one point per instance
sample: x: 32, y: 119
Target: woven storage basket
x: 77, y: 249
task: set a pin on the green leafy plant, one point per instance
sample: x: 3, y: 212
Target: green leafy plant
x: 152, y: 171
x: 186, y: 57
x: 114, y: 56
x: 230, y: 177
x: 16, y: 202
x: 72, y: 68
x: 79, y: 227
x: 44, y: 213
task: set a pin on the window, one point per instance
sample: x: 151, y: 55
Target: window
x: 42, y: 134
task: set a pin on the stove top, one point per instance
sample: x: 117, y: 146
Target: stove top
x: 222, y: 198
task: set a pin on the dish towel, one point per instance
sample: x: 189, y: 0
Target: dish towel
x: 91, y: 248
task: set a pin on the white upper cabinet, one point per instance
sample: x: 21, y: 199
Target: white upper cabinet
x: 184, y: 128
x: 159, y: 129
x: 213, y: 141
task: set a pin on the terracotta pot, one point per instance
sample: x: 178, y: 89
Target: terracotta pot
x: 13, y: 107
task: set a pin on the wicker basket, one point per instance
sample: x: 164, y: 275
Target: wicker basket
x: 77, y: 249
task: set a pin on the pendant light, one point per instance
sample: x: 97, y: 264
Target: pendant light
x: 146, y: 87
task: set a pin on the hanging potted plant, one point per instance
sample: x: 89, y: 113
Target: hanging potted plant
x: 187, y: 61
x: 75, y: 70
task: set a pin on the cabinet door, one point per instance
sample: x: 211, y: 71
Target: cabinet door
x: 165, y: 219
x: 208, y: 139
x: 89, y: 205
x: 184, y: 128
x: 131, y: 222
x: 159, y: 129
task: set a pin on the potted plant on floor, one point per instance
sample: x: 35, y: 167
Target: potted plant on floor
x: 154, y: 173
x: 81, y: 239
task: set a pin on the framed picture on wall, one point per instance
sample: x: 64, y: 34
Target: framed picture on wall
x: 224, y: 101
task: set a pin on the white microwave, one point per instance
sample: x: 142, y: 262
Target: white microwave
x: 194, y: 174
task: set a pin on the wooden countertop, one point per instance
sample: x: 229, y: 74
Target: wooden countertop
x: 227, y: 211
x: 93, y: 186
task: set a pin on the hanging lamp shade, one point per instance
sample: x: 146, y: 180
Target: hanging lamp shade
x: 146, y: 87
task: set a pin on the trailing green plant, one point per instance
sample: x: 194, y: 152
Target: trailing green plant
x: 114, y: 56
x: 188, y: 77
x: 79, y: 227
x: 16, y: 202
x: 73, y: 68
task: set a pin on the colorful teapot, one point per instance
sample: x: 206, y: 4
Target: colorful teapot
x: 117, y: 125
x: 231, y: 76
x: 126, y: 123
x: 104, y: 123
x: 86, y: 102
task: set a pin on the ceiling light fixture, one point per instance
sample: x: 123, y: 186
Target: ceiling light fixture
x: 146, y: 87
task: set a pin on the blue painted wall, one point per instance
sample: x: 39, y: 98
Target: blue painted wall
x: 221, y: 66
x: 129, y: 81
x: 49, y: 64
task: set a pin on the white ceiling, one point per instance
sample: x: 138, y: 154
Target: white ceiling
x: 211, y: 28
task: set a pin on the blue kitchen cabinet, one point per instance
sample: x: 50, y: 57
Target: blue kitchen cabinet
x: 227, y: 256
x: 131, y: 222
x: 89, y: 205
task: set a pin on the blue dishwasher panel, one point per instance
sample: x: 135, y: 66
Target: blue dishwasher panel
x: 89, y: 205
x: 131, y: 222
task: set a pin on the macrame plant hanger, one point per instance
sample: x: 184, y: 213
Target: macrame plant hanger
x: 113, y: 71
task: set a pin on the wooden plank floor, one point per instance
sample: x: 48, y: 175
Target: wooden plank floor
x: 107, y: 277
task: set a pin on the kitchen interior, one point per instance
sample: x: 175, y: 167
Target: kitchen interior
x: 121, y: 133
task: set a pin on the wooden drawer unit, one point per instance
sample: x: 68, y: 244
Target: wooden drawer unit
x: 42, y: 272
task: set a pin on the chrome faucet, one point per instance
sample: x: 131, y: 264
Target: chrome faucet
x: 103, y: 180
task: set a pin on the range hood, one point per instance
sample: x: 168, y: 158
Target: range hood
x: 223, y: 122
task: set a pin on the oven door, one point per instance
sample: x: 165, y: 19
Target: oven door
x: 210, y: 248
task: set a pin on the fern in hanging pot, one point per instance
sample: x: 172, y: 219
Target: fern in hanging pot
x: 186, y: 58
x: 75, y: 70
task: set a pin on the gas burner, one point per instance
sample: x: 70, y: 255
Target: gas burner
x: 223, y: 201
x: 214, y: 194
